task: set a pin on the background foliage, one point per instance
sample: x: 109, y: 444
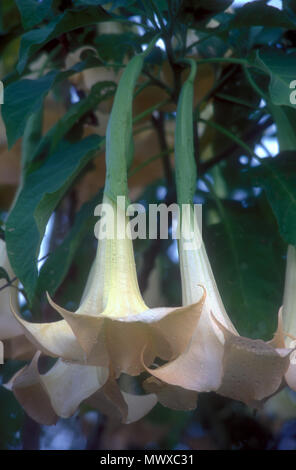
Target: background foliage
x: 60, y: 63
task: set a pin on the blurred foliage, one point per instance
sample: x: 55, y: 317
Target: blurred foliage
x: 60, y: 62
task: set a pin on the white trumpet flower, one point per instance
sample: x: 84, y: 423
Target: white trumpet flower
x: 218, y: 359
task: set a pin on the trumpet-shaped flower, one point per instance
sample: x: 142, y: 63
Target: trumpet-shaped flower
x: 113, y: 327
x: 218, y: 359
x: 60, y: 391
x: 16, y: 344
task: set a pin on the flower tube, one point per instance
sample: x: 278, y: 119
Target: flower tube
x: 112, y: 329
x: 217, y: 359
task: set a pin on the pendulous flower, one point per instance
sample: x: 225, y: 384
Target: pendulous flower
x: 113, y: 327
x: 285, y: 336
x: 16, y: 345
x: 60, y: 391
x: 218, y: 358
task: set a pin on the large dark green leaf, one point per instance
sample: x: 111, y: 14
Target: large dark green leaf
x: 290, y: 7
x: 246, y: 253
x: 11, y: 413
x: 115, y: 46
x: 282, y: 70
x: 285, y: 120
x: 42, y: 191
x: 22, y: 99
x: 53, y: 272
x: 33, y: 40
x: 32, y: 136
x: 33, y: 11
x: 278, y: 177
x: 259, y: 14
x: 51, y: 139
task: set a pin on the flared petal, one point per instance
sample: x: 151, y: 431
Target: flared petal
x: 177, y: 327
x: 89, y: 332
x: 109, y: 401
x: 68, y: 385
x: 54, y: 339
x: 281, y: 340
x: 59, y: 392
x: 171, y: 396
x: 121, y: 406
x: 285, y: 335
x: 252, y: 369
x: 200, y: 366
x: 278, y: 340
x: 138, y: 405
x: 19, y: 348
x: 291, y: 373
x: 282, y: 405
x: 163, y: 332
x: 30, y: 393
x: 289, y: 302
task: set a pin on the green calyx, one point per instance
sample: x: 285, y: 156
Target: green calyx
x: 119, y: 143
x: 185, y: 166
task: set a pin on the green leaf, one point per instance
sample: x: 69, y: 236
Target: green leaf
x: 247, y: 256
x: 32, y: 136
x: 11, y: 412
x: 290, y: 7
x: 33, y: 12
x: 25, y: 97
x: 22, y: 99
x: 278, y: 177
x: 285, y: 120
x: 9, y: 17
x: 99, y: 92
x: 115, y: 46
x: 259, y: 14
x: 41, y: 192
x: 70, y: 20
x: 53, y: 272
x: 282, y: 70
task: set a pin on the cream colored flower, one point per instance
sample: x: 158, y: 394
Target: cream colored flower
x: 60, y: 391
x: 113, y: 326
x: 285, y: 336
x: 16, y: 346
x: 218, y: 359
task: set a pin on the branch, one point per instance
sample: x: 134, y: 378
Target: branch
x: 15, y: 278
x: 235, y: 149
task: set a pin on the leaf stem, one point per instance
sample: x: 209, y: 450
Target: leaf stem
x: 254, y: 85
